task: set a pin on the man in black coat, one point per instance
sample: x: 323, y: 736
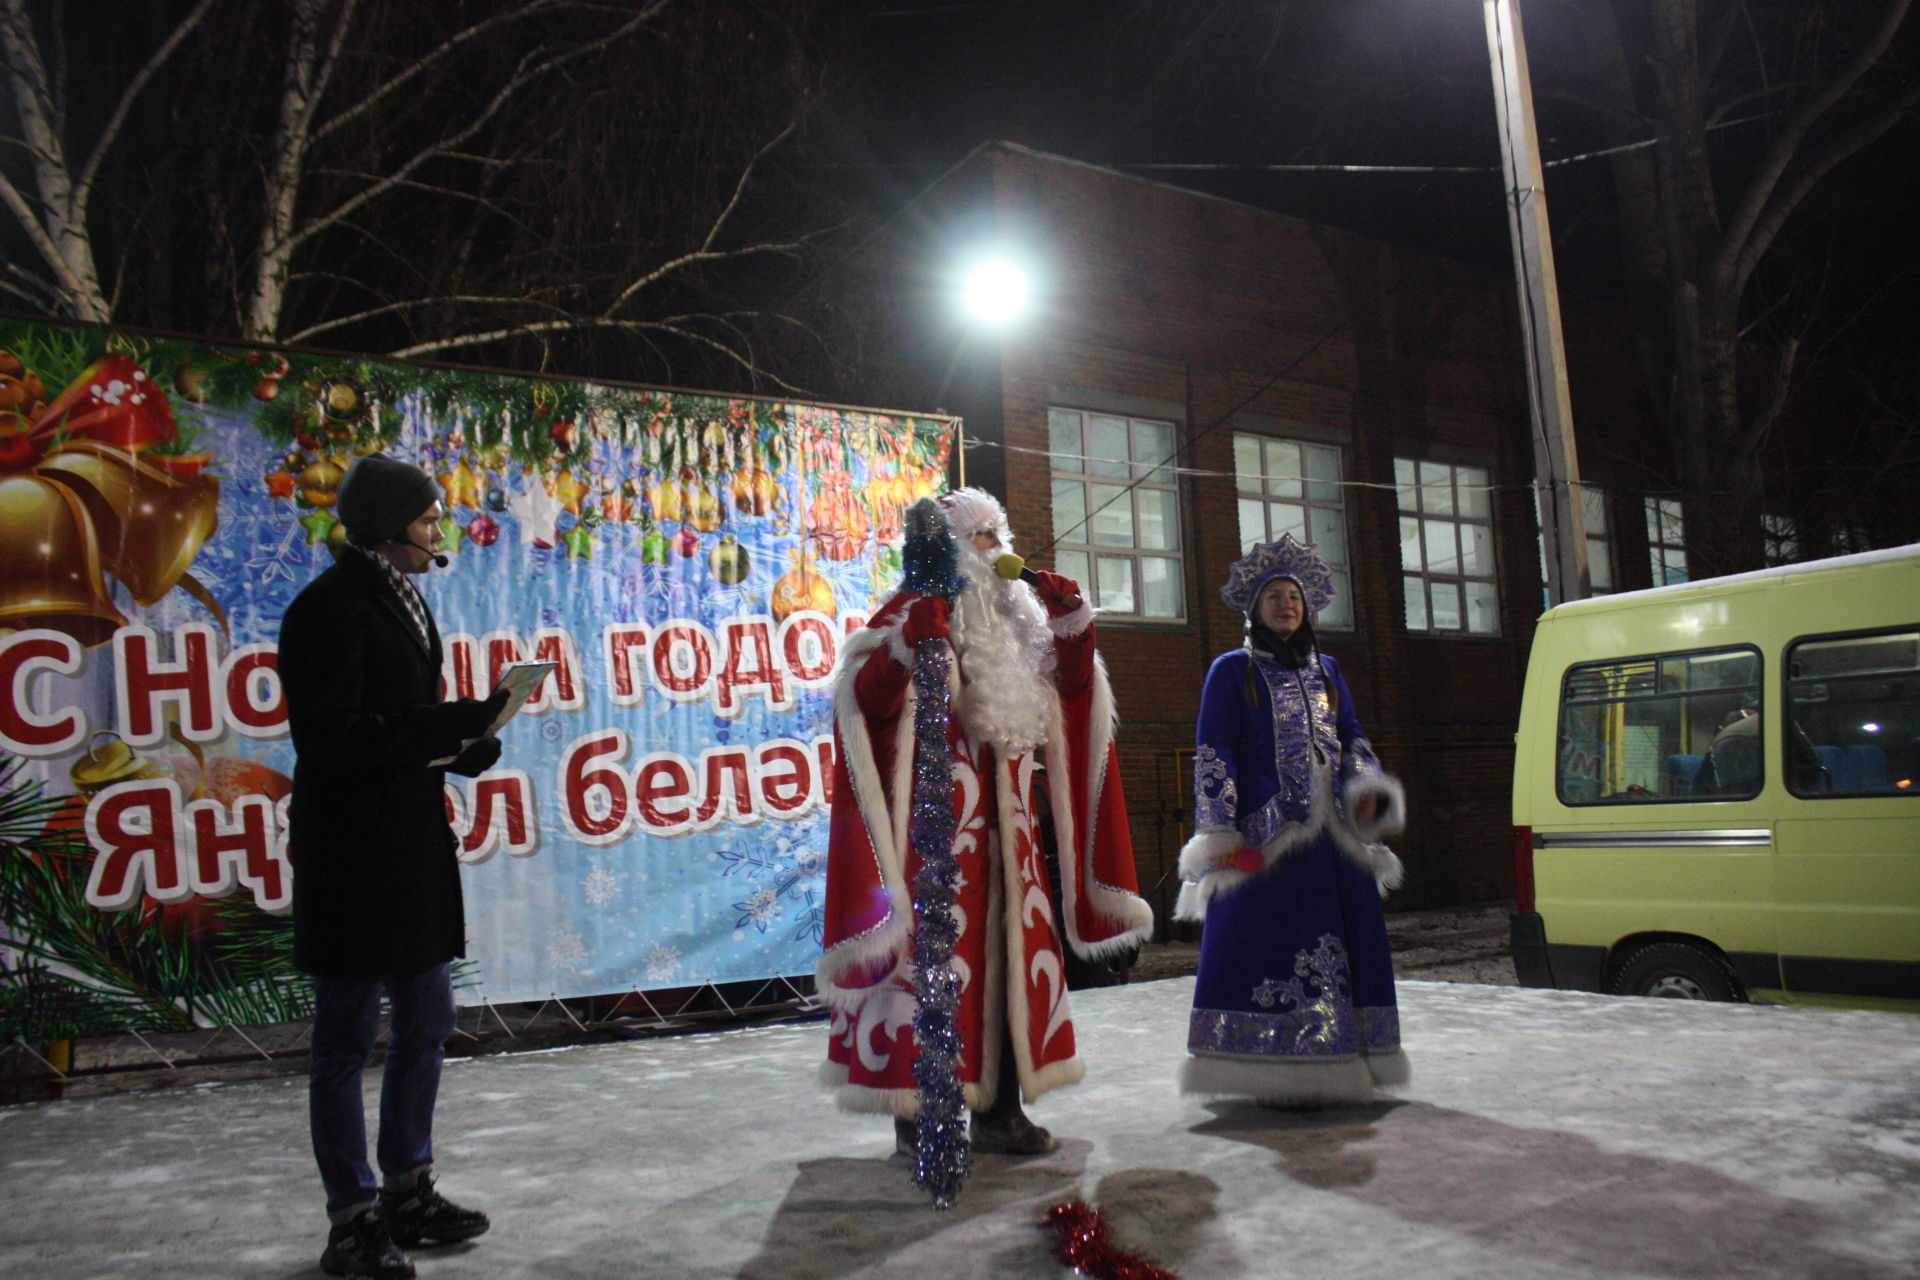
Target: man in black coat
x: 376, y: 880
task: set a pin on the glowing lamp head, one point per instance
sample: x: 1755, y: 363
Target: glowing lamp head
x: 996, y: 292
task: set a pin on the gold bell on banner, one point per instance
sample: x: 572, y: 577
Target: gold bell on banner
x: 51, y: 574
x: 109, y: 760
x: 151, y: 522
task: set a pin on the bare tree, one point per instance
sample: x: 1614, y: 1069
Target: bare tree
x: 419, y: 177
x: 1751, y: 107
x: 1721, y: 123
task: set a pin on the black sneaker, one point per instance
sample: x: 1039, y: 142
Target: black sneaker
x: 421, y: 1215
x: 364, y: 1250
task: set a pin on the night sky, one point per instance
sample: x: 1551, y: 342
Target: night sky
x: 1134, y: 84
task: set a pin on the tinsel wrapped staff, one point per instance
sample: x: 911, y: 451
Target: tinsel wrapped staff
x: 931, y: 567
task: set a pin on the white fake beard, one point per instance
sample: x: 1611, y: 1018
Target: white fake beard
x: 1007, y: 659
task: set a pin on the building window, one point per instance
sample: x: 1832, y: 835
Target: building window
x: 1446, y: 548
x: 1782, y: 539
x: 1666, y: 541
x: 1116, y: 512
x: 1593, y: 513
x: 1290, y: 486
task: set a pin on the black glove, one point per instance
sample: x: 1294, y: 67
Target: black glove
x: 477, y: 716
x: 476, y: 759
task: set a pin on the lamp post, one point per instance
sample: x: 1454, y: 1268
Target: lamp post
x: 1555, y: 459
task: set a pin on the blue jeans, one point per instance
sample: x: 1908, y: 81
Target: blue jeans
x: 346, y: 1019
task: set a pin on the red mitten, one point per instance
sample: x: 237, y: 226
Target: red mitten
x: 926, y: 620
x: 1060, y: 594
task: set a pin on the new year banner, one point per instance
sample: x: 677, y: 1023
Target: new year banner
x: 658, y: 817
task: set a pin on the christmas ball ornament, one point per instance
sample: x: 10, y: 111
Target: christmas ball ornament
x: 616, y: 505
x: 729, y: 561
x: 496, y: 499
x: 754, y: 492
x: 801, y: 587
x: 320, y: 482
x: 836, y: 521
x: 653, y: 548
x: 688, y: 543
x: 564, y: 434
x: 483, y: 530
x: 343, y: 400
x: 266, y: 389
x: 703, y: 509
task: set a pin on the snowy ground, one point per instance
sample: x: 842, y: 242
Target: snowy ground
x: 1546, y: 1134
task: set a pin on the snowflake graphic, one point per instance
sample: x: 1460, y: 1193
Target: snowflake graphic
x: 600, y: 887
x: 813, y: 922
x: 662, y: 963
x: 567, y: 951
x: 761, y: 908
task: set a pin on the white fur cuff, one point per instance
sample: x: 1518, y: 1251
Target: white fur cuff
x: 1390, y: 811
x: 1069, y: 625
x: 1206, y: 851
x: 897, y: 646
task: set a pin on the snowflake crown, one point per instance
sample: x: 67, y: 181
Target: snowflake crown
x: 1298, y: 561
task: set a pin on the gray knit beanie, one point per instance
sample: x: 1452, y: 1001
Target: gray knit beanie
x: 381, y: 496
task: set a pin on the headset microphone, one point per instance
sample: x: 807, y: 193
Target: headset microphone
x: 439, y: 561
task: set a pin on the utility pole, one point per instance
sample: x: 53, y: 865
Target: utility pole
x: 1555, y: 460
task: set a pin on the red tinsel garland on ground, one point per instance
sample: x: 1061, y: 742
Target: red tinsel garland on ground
x: 1083, y: 1245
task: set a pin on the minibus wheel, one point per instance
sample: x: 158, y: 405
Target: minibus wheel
x: 1677, y: 971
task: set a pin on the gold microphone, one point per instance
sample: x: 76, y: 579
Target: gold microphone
x: 1011, y: 566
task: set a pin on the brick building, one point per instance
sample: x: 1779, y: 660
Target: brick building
x: 1300, y: 378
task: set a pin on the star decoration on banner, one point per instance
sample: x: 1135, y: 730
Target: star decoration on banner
x: 462, y: 486
x: 452, y: 534
x: 569, y: 490
x: 279, y: 485
x: 578, y: 542
x: 537, y: 513
x: 318, y: 526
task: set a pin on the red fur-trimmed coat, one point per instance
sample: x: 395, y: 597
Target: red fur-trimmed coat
x: 1009, y: 923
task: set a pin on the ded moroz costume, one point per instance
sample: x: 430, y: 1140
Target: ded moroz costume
x: 1294, y: 999
x: 1032, y: 723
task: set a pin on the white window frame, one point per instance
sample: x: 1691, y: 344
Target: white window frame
x: 1440, y: 503
x: 1667, y: 540
x: 1268, y: 490
x: 1136, y: 494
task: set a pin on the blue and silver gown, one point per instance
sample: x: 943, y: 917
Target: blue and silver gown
x: 1294, y: 1003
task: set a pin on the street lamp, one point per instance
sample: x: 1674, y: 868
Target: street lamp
x: 995, y: 291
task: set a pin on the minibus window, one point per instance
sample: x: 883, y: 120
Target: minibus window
x: 1853, y: 706
x: 1670, y: 726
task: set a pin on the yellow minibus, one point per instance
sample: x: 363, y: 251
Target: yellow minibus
x: 1716, y: 789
